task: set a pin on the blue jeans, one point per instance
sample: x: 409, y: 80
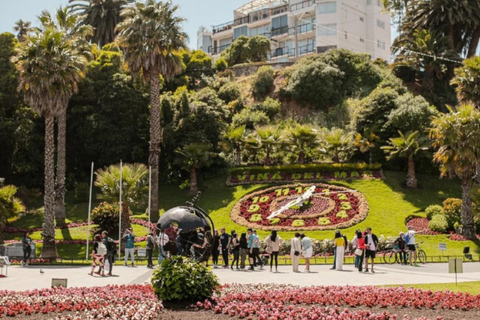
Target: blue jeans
x: 161, y: 254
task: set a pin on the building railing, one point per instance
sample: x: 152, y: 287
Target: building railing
x: 222, y: 27
x: 278, y: 52
x: 304, y: 28
x: 302, y: 5
x: 279, y: 10
x: 280, y: 31
x: 217, y: 50
x: 241, y: 20
x: 309, y: 48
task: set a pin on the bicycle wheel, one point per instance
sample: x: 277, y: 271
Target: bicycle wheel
x: 422, y: 256
x: 390, y: 257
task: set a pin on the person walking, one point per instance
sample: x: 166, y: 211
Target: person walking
x: 235, y: 249
x: 243, y: 250
x: 273, y: 242
x: 111, y: 248
x: 225, y: 240
x: 339, y: 244
x: 359, y: 250
x: 371, y: 244
x: 129, y: 237
x: 150, y: 248
x: 401, y: 245
x: 98, y: 255
x: 27, y: 248
x: 215, y: 249
x: 411, y: 245
x: 296, y: 249
x: 307, y: 250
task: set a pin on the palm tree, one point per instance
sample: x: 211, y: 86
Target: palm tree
x: 192, y: 157
x: 407, y: 146
x: 49, y: 69
x: 269, y: 140
x: 78, y: 33
x: 456, y: 136
x: 233, y: 141
x: 304, y: 138
x: 134, y: 187
x: 367, y: 142
x: 10, y: 206
x: 102, y: 15
x: 339, y: 145
x: 150, y: 33
x: 22, y: 28
x: 467, y: 80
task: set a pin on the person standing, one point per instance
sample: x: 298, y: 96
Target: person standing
x: 371, y: 244
x: 235, y: 249
x: 150, y: 248
x: 98, y: 255
x: 129, y: 237
x: 411, y: 245
x: 339, y: 244
x: 225, y: 240
x: 335, y: 250
x: 273, y: 242
x: 252, y: 238
x: 256, y: 249
x: 27, y: 248
x: 111, y: 247
x: 296, y: 249
x: 307, y: 250
x: 162, y: 240
x: 401, y: 245
x: 355, y: 246
x: 243, y: 250
x: 215, y: 249
x: 359, y: 250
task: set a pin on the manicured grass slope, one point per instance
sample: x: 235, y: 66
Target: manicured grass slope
x: 468, y: 287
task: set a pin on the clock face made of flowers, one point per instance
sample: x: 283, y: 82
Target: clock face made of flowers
x: 329, y: 207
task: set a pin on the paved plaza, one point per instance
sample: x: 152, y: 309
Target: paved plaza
x: 29, y: 278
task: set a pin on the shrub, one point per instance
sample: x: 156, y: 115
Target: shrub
x: 263, y: 84
x: 270, y: 106
x: 229, y: 92
x: 180, y: 279
x: 221, y: 65
x: 433, y: 210
x: 451, y: 210
x: 106, y: 216
x: 250, y: 118
x: 438, y: 223
x: 477, y: 224
x: 81, y: 192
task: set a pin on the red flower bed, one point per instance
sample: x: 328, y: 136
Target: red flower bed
x: 112, y: 302
x: 420, y: 225
x: 289, y: 302
x: 459, y: 237
x: 65, y: 226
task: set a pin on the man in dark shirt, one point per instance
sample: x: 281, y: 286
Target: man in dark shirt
x: 225, y: 240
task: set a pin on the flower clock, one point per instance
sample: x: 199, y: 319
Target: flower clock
x: 329, y: 207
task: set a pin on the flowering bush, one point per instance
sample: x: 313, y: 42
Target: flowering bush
x: 32, y: 261
x: 106, y: 216
x: 112, y: 302
x: 420, y: 225
x: 330, y: 207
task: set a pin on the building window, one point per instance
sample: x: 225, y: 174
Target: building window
x: 262, y: 31
x: 327, y: 7
x: 380, y: 44
x: 381, y: 24
x: 327, y: 29
x: 242, y: 31
x: 280, y: 22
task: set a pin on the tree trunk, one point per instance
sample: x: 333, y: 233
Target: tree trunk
x: 2, y: 226
x: 49, y: 249
x: 60, y: 190
x: 267, y: 158
x: 428, y: 79
x: 472, y: 49
x: 466, y: 211
x: 301, y: 157
x: 193, y: 180
x: 155, y: 141
x: 411, y: 178
x: 125, y: 222
x: 238, y: 157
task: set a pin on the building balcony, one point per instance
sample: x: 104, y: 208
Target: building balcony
x: 282, y: 31
x: 303, y: 50
x: 302, y: 5
x: 278, y: 52
x: 222, y: 27
x: 303, y: 29
x: 242, y: 20
x: 217, y: 50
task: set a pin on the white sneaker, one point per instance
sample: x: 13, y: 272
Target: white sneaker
x: 22, y: 263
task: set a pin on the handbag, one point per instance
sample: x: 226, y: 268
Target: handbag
x: 297, y: 253
x: 358, y: 252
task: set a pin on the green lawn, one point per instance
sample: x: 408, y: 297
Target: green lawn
x: 467, y: 287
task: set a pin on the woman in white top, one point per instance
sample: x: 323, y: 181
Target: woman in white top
x: 307, y: 250
x: 273, y: 242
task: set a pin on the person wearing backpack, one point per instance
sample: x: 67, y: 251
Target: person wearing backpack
x: 150, y: 248
x: 111, y: 248
x: 98, y: 255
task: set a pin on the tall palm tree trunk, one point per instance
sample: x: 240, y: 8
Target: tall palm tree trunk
x: 411, y: 177
x: 301, y: 157
x: 60, y: 190
x: 466, y: 210
x: 155, y: 140
x: 125, y: 222
x: 238, y: 156
x: 193, y: 180
x: 49, y: 249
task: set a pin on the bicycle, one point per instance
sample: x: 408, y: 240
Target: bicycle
x: 421, y: 255
x: 392, y: 256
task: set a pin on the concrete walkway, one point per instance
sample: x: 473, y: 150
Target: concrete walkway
x: 28, y: 278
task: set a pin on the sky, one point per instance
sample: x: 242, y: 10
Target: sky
x: 197, y: 13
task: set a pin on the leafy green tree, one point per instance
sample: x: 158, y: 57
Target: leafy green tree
x: 270, y: 140
x: 367, y: 142
x: 250, y: 118
x: 221, y: 64
x: 10, y: 207
x: 198, y: 64
x: 150, y: 33
x: 259, y: 47
x: 467, y: 80
x: 193, y: 157
x: 456, y: 137
x: 134, y: 187
x: 407, y: 146
x: 411, y: 113
x: 338, y: 145
x: 264, y: 82
x: 303, y: 139
x: 102, y: 15
x: 247, y: 49
x: 233, y: 141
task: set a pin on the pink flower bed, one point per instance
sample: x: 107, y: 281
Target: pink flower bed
x: 459, y: 237
x: 112, y: 302
x: 290, y: 302
x: 420, y: 225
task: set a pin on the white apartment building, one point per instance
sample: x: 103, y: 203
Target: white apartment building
x: 300, y: 27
